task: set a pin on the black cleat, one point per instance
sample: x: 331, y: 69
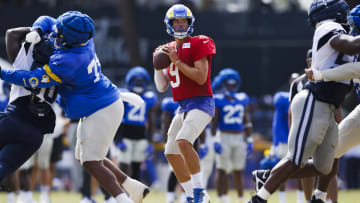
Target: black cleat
x: 260, y: 177
x: 256, y: 199
x: 314, y: 200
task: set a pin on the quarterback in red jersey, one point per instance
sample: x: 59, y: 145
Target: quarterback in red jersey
x: 189, y: 78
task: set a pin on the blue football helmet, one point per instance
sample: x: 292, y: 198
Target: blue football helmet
x: 178, y: 11
x: 328, y: 9
x: 137, y: 79
x: 231, y: 77
x: 354, y: 20
x: 73, y: 29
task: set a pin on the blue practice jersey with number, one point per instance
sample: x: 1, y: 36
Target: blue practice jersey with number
x: 169, y: 105
x: 280, y: 125
x: 139, y: 116
x: 231, y: 112
x: 82, y: 87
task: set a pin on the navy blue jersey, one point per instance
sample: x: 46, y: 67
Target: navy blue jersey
x: 82, y: 87
x: 169, y: 105
x: 139, y: 116
x: 280, y: 125
x: 231, y: 112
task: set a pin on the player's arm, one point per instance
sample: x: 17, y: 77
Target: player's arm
x: 41, y: 77
x: 13, y: 40
x: 44, y: 24
x: 214, y: 122
x: 161, y: 80
x: 343, y: 72
x: 198, y: 73
x: 247, y: 122
x: 166, y: 121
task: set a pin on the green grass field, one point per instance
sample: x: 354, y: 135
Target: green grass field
x: 347, y: 196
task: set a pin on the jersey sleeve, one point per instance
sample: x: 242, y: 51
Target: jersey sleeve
x: 40, y: 77
x: 281, y: 102
x: 204, y: 46
x: 44, y: 23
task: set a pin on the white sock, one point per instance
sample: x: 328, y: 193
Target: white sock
x: 328, y: 201
x: 225, y: 199
x: 320, y: 195
x: 29, y: 195
x: 197, y: 180
x: 10, y: 197
x: 122, y: 197
x: 282, y: 197
x: 241, y: 199
x: 263, y: 193
x: 44, y: 188
x: 188, y: 186
x: 127, y: 183
x: 170, y: 197
x: 300, y: 198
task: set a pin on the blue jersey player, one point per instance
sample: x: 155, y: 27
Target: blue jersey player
x: 234, y: 127
x: 134, y: 137
x: 85, y: 94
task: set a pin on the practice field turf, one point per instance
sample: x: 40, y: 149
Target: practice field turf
x: 346, y: 196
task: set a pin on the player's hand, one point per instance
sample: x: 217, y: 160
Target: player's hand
x: 33, y: 37
x: 218, y: 148
x: 149, y: 150
x: 309, y: 74
x: 122, y: 146
x: 171, y: 52
x: 203, y: 150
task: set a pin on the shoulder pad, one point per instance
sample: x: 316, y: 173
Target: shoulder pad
x: 218, y: 96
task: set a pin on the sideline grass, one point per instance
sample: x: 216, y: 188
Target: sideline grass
x: 345, y: 196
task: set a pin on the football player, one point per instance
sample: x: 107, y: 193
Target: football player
x: 349, y: 127
x: 189, y: 78
x: 86, y: 94
x: 134, y: 137
x: 314, y: 130
x: 232, y: 119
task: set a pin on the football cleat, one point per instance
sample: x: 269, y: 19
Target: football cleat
x: 189, y: 200
x: 314, y: 200
x: 256, y: 199
x: 201, y: 196
x: 260, y: 177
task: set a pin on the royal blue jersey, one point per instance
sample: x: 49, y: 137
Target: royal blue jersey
x: 169, y: 105
x: 231, y: 112
x: 139, y: 116
x: 280, y: 125
x: 82, y: 87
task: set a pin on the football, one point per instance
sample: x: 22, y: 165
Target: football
x: 160, y: 60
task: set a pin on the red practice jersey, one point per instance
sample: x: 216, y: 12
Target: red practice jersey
x: 191, y: 50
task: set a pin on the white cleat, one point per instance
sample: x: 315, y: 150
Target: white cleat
x: 136, y: 190
x: 201, y: 196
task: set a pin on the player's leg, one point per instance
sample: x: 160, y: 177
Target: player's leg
x: 43, y: 160
x: 171, y: 186
x: 138, y: 157
x: 207, y: 162
x: 324, y: 161
x: 238, y: 160
x: 17, y: 144
x: 223, y: 164
x: 307, y: 185
x: 194, y: 123
x: 173, y: 155
x: 124, y: 157
x: 56, y: 155
x: 332, y: 190
x: 11, y: 186
x: 96, y: 133
x: 25, y: 193
x: 307, y: 131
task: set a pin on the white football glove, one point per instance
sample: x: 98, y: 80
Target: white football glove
x: 33, y: 37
